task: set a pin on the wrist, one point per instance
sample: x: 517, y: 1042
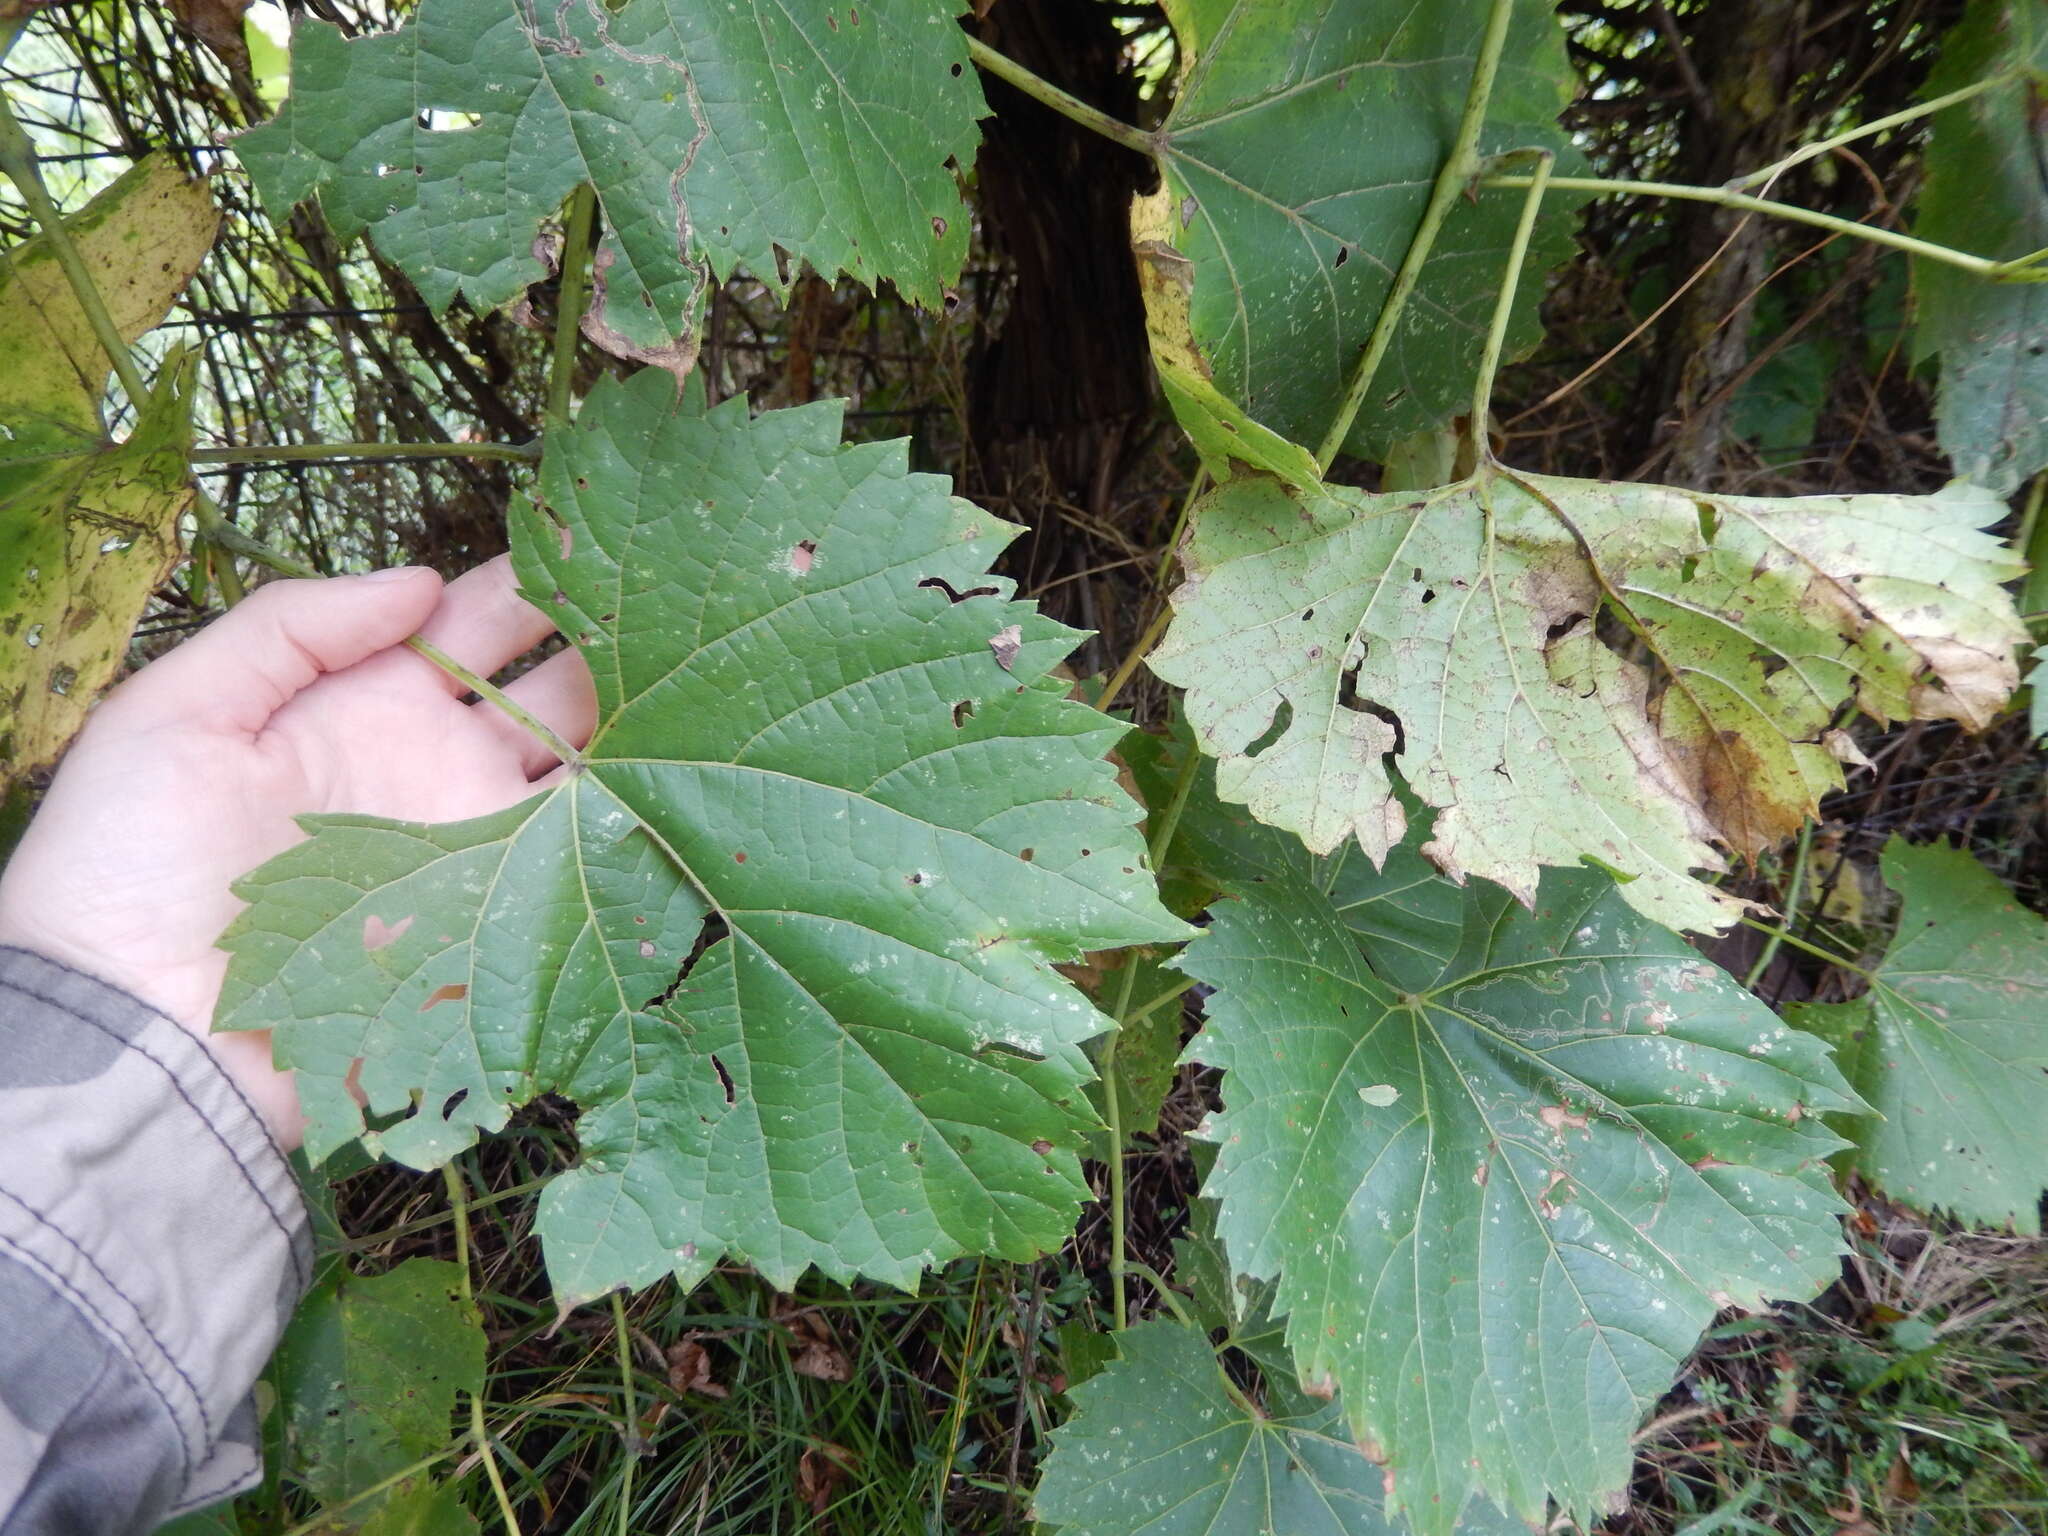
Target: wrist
x: 185, y: 997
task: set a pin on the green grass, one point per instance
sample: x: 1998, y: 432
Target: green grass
x: 1910, y: 1400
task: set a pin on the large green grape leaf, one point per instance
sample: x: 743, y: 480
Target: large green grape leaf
x: 88, y: 527
x: 368, y: 1372
x: 826, y: 729
x: 1302, y: 145
x: 1575, y: 670
x: 709, y: 131
x: 1503, y: 1171
x: 1950, y: 1045
x: 1985, y: 193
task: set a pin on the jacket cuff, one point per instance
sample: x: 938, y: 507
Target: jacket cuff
x: 140, y: 1185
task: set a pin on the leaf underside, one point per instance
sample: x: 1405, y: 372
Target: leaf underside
x: 1504, y: 1165
x: 1576, y: 670
x: 711, y: 132
x: 864, y: 1060
x: 1950, y: 1046
x: 1156, y: 1448
x: 1293, y: 239
x: 1985, y: 193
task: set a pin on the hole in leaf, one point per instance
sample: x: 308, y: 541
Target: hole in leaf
x: 1428, y: 596
x: 953, y: 594
x: 1710, y: 521
x: 453, y: 1103
x: 1307, y: 614
x: 1282, y: 718
x: 713, y: 930
x: 956, y: 71
x: 961, y: 712
x: 724, y: 1080
x: 1563, y: 627
x: 1343, y: 255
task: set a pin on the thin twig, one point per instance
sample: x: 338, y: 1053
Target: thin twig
x: 2031, y: 268
x: 301, y: 453
x: 458, y: 1201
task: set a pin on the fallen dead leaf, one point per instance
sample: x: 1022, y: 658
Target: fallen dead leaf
x: 821, y: 1472
x: 689, y: 1368
x: 816, y: 1353
x: 1005, y: 643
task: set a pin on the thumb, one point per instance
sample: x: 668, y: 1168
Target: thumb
x: 246, y: 665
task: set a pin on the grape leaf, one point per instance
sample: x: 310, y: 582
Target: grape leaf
x: 1504, y: 1173
x: 1302, y: 145
x: 1950, y: 1045
x: 1985, y: 194
x: 368, y: 1371
x: 709, y: 131
x: 88, y: 527
x: 1470, y: 632
x: 1157, y: 1447
x: 866, y: 1062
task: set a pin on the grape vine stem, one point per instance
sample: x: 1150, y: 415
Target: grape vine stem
x: 1459, y: 169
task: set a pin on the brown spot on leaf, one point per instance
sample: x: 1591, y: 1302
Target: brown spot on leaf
x: 452, y: 992
x: 1560, y: 1117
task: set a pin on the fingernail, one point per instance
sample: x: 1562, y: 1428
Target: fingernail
x: 394, y: 573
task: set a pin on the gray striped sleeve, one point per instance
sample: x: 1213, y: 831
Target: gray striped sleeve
x: 152, y: 1245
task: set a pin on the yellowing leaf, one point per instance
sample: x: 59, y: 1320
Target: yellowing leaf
x: 1575, y: 671
x: 88, y: 528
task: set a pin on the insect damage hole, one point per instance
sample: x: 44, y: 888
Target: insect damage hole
x: 1282, y: 718
x: 713, y: 930
x: 953, y: 594
x: 725, y: 1081
x: 962, y: 713
x: 1348, y: 697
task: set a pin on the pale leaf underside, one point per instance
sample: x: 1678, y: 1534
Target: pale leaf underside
x: 1576, y: 670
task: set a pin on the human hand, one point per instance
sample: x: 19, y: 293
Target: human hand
x: 300, y: 699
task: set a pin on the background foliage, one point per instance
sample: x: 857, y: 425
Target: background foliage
x: 1678, y: 341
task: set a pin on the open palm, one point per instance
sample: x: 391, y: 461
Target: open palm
x: 303, y: 699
